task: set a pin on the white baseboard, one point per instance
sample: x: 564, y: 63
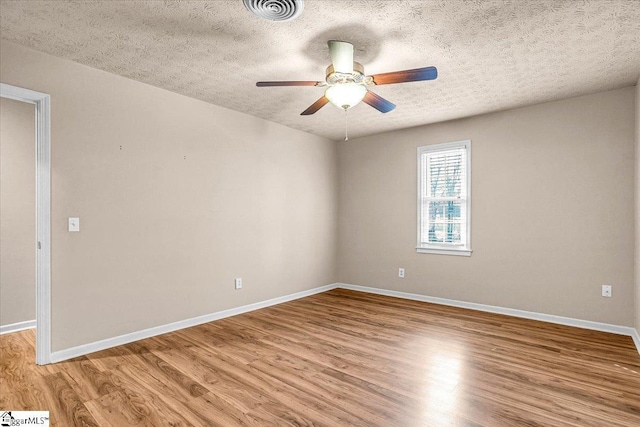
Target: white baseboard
x: 84, y: 349
x: 636, y: 339
x: 15, y: 327
x: 568, y: 321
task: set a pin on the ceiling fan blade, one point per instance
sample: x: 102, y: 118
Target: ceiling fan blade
x: 315, y: 106
x: 378, y: 102
x: 341, y: 56
x: 290, y: 83
x: 415, y: 75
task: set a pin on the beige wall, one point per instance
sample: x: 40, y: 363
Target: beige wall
x: 637, y: 212
x: 552, y: 210
x: 176, y: 198
x: 17, y: 212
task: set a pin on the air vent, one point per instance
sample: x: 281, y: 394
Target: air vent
x: 275, y: 10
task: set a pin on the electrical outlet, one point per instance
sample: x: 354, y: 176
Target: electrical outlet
x: 238, y: 283
x: 401, y: 273
x: 606, y: 291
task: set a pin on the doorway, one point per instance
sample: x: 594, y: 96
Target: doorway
x: 43, y: 213
x: 17, y: 216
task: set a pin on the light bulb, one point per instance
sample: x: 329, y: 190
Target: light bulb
x: 345, y: 95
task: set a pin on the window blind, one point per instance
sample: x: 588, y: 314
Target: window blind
x: 443, y: 197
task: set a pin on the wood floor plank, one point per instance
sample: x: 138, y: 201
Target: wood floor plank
x: 340, y: 358
x: 69, y: 408
x: 87, y: 380
x: 167, y: 373
x: 229, y: 379
x: 127, y: 407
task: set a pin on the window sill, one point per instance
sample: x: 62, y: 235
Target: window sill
x: 443, y: 251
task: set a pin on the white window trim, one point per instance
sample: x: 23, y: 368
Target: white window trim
x: 463, y: 250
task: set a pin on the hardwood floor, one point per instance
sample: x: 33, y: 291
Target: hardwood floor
x: 339, y: 358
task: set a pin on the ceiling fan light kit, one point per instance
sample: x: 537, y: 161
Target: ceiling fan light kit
x: 275, y: 10
x: 348, y: 85
x: 346, y: 95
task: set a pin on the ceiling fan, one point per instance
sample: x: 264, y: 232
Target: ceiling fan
x: 347, y: 84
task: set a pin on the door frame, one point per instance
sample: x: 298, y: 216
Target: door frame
x: 42, y: 102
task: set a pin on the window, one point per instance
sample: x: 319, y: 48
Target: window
x: 444, y: 204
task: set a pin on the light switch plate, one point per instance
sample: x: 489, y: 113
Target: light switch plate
x: 74, y: 224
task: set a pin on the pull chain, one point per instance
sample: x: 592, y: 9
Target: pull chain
x: 346, y: 126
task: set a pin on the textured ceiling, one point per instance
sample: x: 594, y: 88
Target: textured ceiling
x: 491, y: 55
